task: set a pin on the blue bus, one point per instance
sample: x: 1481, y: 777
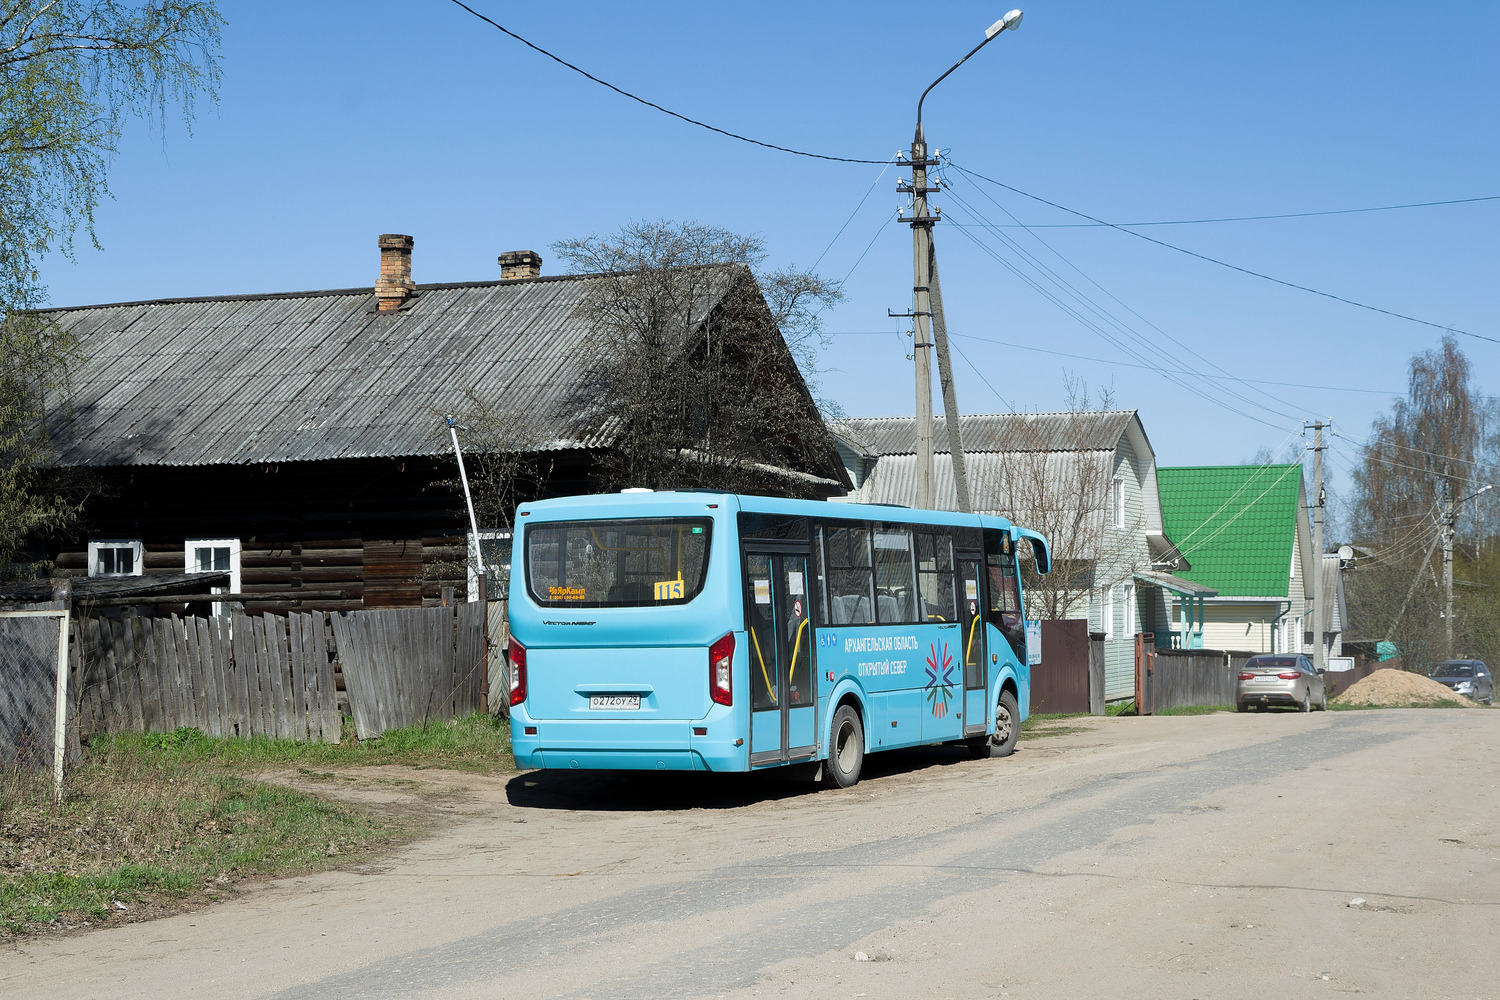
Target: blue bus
x: 715, y: 632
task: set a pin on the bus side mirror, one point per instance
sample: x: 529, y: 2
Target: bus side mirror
x: 1041, y: 556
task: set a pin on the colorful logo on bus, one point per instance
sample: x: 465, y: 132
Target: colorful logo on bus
x: 939, y: 678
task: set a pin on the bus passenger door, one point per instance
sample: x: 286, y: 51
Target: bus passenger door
x: 976, y: 663
x: 783, y: 683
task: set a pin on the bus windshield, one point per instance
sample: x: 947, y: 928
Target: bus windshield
x: 637, y: 563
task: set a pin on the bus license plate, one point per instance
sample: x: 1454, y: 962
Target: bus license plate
x: 614, y: 702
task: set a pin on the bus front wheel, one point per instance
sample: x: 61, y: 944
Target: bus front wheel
x: 846, y: 749
x: 1007, y: 730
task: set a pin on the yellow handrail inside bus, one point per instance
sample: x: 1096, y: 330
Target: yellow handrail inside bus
x: 969, y: 649
x: 796, y: 648
x: 771, y: 688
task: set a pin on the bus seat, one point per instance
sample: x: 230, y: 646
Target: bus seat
x: 850, y: 609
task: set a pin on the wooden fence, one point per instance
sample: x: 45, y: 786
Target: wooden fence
x: 499, y: 665
x: 262, y: 675
x: 276, y: 675
x: 1180, y: 678
x: 405, y: 666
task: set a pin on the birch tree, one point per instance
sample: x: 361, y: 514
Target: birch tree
x: 72, y: 74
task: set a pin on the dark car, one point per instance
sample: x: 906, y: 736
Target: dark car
x: 1285, y: 679
x: 1470, y: 678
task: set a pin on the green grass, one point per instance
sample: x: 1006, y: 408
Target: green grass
x: 151, y: 821
x: 139, y: 833
x: 1120, y: 708
x: 474, y: 743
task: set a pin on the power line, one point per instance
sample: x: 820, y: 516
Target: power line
x: 1100, y: 331
x: 1375, y: 445
x: 1148, y: 343
x: 654, y: 105
x: 1252, y: 218
x: 861, y: 258
x: 1125, y: 364
x: 1233, y: 267
x: 1146, y: 347
x: 1180, y: 371
x: 870, y: 190
x: 1008, y: 404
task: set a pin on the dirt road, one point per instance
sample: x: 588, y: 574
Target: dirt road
x: 1205, y: 857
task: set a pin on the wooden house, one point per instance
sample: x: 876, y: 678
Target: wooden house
x: 297, y: 440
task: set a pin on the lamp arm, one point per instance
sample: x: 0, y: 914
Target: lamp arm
x: 946, y: 75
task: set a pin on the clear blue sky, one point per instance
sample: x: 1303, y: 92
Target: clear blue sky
x: 340, y: 121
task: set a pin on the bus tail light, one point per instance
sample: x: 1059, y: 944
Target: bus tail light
x: 721, y: 670
x: 517, y: 654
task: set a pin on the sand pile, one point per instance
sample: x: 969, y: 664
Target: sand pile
x: 1387, y: 688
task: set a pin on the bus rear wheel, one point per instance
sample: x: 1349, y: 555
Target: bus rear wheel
x: 1002, y: 743
x: 846, y: 749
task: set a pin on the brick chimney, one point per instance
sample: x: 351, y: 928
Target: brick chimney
x: 394, y: 285
x: 520, y: 264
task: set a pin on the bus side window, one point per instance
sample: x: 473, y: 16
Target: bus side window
x: 895, y: 581
x: 851, y: 591
x: 935, y: 577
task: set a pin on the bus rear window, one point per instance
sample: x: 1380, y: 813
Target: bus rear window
x: 617, y: 564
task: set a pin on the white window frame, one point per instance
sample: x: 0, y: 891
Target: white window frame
x: 1117, y: 502
x: 233, y: 544
x: 134, y: 544
x: 1130, y: 628
x: 1107, y: 611
x: 471, y: 575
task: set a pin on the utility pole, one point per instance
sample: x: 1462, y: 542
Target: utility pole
x: 1320, y: 655
x: 1448, y: 519
x: 929, y: 329
x: 921, y: 310
x: 927, y: 309
x: 1449, y: 528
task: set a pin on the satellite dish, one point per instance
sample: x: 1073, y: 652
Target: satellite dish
x: 1346, y: 552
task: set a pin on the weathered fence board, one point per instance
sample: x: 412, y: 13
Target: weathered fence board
x: 273, y: 675
x: 404, y: 666
x: 227, y: 677
x: 499, y: 666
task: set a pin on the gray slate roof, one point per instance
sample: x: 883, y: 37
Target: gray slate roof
x: 306, y: 376
x: 1094, y: 430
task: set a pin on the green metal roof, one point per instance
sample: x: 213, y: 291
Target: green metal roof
x: 1235, y: 524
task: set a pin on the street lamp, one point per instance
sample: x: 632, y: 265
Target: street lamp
x: 1010, y: 22
x: 926, y: 305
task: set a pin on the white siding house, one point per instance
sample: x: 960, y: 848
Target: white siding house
x: 1086, y: 480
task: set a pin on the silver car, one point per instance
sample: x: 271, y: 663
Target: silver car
x: 1282, y: 679
x: 1470, y: 678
